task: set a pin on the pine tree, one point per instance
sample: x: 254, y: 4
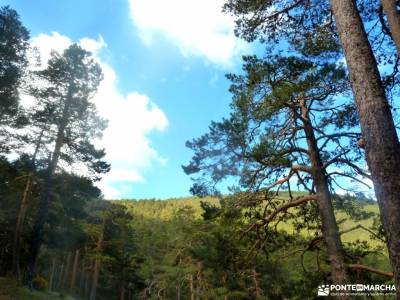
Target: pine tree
x: 288, y: 20
x: 69, y: 82
x: 382, y: 147
x: 13, y: 62
x: 286, y: 125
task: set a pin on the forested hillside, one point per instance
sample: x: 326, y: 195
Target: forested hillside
x: 191, y: 247
x: 295, y: 191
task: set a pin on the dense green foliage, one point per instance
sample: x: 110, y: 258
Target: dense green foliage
x: 290, y: 140
x: 166, y: 248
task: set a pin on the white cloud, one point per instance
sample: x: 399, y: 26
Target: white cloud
x: 196, y: 27
x: 47, y: 43
x: 130, y: 119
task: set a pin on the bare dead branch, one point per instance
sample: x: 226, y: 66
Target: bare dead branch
x: 370, y: 269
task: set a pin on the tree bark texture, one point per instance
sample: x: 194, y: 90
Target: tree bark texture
x: 381, y: 141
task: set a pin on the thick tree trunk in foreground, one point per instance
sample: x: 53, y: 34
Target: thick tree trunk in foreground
x: 381, y: 142
x: 330, y: 230
x: 393, y: 17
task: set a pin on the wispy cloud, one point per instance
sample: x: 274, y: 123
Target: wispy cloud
x: 195, y: 27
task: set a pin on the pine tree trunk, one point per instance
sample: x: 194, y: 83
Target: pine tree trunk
x: 22, y: 213
x: 82, y: 275
x: 18, y: 229
x: 122, y: 291
x: 66, y: 272
x: 60, y: 276
x: 178, y: 291
x: 191, y: 287
x: 51, y: 279
x: 87, y: 285
x: 381, y: 142
x: 257, y: 289
x: 95, y: 280
x: 330, y: 228
x: 74, y: 272
x: 45, y: 197
x: 393, y: 17
x: 97, y: 264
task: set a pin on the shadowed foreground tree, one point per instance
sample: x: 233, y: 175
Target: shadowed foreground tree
x: 69, y: 82
x: 382, y: 145
x: 287, y: 128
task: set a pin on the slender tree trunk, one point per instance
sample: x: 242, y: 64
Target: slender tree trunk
x: 82, y: 279
x: 393, y: 17
x: 199, y: 279
x: 22, y: 213
x: 381, y: 142
x: 41, y: 218
x: 87, y: 285
x: 178, y: 291
x: 257, y: 289
x: 18, y: 229
x: 95, y: 279
x: 129, y: 294
x: 191, y: 287
x: 122, y: 291
x: 53, y: 269
x: 330, y: 228
x: 74, y: 272
x: 97, y: 264
x: 67, y: 272
x: 60, y: 276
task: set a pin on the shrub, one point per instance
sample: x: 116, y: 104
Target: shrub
x: 39, y: 283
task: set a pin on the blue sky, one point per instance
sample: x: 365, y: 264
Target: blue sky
x: 164, y: 64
